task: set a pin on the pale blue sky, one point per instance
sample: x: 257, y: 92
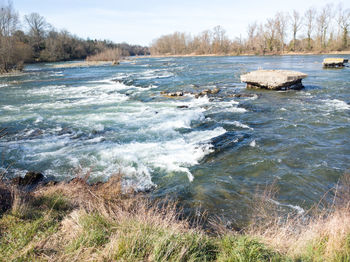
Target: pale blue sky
x: 139, y: 22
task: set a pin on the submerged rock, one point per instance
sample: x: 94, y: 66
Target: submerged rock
x: 242, y: 95
x: 274, y: 79
x: 197, y: 95
x: 31, y: 178
x: 172, y: 94
x: 207, y: 92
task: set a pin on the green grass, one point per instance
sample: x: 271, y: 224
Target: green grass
x: 21, y: 229
x: 142, y: 241
x: 95, y: 232
x: 244, y: 249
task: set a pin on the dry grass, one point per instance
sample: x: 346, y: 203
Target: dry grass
x: 110, y: 54
x: 320, y: 234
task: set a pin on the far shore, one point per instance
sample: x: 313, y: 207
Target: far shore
x: 347, y: 52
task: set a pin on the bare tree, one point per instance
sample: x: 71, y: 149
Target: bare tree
x: 296, y: 25
x: 343, y: 19
x: 281, y: 23
x: 323, y: 21
x: 203, y: 42
x: 8, y: 25
x: 310, y: 16
x: 270, y: 33
x: 220, y: 41
x: 252, y: 31
x: 38, y: 27
x: 8, y: 20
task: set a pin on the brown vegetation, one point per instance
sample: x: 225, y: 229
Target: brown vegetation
x: 110, y: 54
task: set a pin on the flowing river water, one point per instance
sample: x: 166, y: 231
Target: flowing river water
x: 210, y: 152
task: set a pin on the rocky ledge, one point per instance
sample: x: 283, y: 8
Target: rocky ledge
x: 274, y: 79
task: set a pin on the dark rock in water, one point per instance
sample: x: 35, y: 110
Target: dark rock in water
x: 207, y: 92
x: 172, y: 94
x: 182, y: 106
x: 31, y: 178
x: 35, y: 133
x: 197, y: 95
x: 242, y: 95
x: 215, y: 91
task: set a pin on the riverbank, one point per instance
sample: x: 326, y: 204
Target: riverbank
x: 12, y: 73
x: 249, y: 54
x: 79, y: 222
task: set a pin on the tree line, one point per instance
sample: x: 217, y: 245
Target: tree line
x: 317, y: 30
x: 41, y: 42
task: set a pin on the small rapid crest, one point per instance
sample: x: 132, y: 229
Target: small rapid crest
x: 335, y: 105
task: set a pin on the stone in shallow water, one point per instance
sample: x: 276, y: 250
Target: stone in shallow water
x: 274, y: 79
x: 334, y: 62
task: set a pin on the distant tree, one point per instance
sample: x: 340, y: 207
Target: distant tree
x: 281, y: 24
x: 323, y: 22
x: 8, y: 20
x: 220, y: 41
x: 205, y: 39
x: 296, y: 25
x: 270, y: 34
x: 38, y: 27
x: 252, y: 31
x: 343, y: 19
x: 9, y: 50
x: 310, y: 16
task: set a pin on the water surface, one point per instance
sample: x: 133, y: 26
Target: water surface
x: 211, y: 152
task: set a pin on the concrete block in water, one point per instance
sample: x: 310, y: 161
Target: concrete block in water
x: 274, y: 79
x: 332, y: 62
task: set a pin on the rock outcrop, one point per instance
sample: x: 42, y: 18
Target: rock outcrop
x: 274, y: 79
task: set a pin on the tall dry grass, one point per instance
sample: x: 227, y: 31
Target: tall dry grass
x: 109, y: 54
x: 320, y: 234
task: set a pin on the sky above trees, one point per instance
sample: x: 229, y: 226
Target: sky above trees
x: 139, y: 22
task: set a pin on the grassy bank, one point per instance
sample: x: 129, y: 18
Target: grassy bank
x: 77, y: 222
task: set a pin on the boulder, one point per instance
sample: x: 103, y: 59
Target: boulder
x: 274, y: 79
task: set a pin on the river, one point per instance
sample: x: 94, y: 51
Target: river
x: 210, y: 152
